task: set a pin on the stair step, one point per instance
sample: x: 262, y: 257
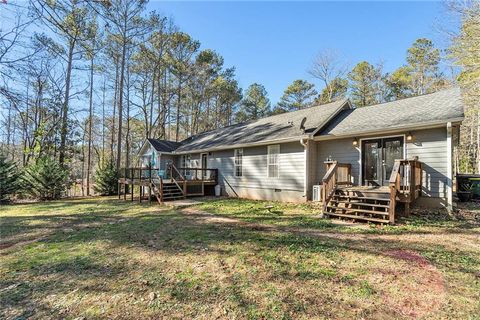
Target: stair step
x: 173, y: 194
x: 359, y: 197
x: 361, y: 204
x: 383, y: 213
x: 342, y: 215
x: 170, y: 198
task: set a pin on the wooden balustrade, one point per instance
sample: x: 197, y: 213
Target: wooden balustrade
x: 337, y: 174
x: 200, y: 174
x: 405, y: 184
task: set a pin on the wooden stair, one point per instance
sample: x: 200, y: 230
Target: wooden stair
x: 166, y: 191
x: 171, y: 191
x: 363, y: 207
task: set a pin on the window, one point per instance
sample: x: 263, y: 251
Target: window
x: 272, y: 161
x: 238, y: 162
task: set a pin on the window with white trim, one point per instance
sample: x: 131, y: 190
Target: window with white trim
x: 272, y: 161
x: 238, y: 167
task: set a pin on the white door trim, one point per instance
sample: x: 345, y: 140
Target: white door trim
x: 359, y: 147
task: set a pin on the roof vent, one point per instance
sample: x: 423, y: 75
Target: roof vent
x: 302, y: 124
x: 290, y: 123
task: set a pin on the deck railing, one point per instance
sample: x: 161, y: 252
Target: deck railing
x: 405, y: 184
x: 200, y: 174
x: 337, y: 174
x: 171, y: 172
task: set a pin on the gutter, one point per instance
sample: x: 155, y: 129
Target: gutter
x: 307, y: 173
x: 245, y: 145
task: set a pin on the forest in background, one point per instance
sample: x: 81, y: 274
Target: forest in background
x: 84, y: 82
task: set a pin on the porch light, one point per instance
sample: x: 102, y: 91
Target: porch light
x: 409, y: 136
x: 355, y: 142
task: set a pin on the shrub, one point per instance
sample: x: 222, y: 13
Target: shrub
x: 9, y: 179
x: 106, y: 179
x: 46, y: 179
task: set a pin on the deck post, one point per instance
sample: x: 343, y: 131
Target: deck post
x: 393, y: 195
x: 407, y: 209
x: 140, y: 187
x: 125, y: 190
x: 150, y: 184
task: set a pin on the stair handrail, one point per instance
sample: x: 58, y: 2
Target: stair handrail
x: 329, y: 184
x: 182, y: 188
x: 394, y: 185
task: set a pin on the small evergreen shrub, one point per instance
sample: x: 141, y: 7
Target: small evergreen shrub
x: 46, y: 179
x: 9, y: 179
x: 106, y: 179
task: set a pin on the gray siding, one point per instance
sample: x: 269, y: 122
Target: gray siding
x: 340, y: 150
x: 429, y: 145
x: 254, y: 183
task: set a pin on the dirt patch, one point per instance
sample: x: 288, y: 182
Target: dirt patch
x: 420, y: 286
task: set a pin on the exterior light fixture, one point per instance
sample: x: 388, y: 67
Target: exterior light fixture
x: 355, y: 142
x: 409, y: 136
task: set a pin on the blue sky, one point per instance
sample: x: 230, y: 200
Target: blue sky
x: 273, y: 43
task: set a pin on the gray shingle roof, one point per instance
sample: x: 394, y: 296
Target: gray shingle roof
x: 435, y: 107
x: 277, y: 127
x: 164, y: 145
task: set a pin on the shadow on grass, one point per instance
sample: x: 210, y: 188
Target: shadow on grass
x: 69, y: 259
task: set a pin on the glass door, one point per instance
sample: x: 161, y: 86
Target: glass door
x: 378, y: 158
x: 371, y: 159
x: 392, y: 150
x: 204, y: 163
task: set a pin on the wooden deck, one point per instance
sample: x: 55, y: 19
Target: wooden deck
x: 170, y: 184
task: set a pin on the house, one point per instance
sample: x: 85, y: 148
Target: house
x: 366, y: 159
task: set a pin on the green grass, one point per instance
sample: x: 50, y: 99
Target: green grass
x: 105, y: 258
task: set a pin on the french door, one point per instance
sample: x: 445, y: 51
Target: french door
x: 204, y: 163
x: 378, y: 158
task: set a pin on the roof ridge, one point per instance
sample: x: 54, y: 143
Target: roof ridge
x: 411, y: 97
x: 343, y: 101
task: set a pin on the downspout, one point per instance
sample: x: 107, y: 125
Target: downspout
x: 306, y: 156
x: 449, y: 168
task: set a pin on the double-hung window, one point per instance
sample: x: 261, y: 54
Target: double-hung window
x: 238, y: 162
x: 272, y: 161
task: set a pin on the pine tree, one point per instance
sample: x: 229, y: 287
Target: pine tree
x: 255, y: 103
x: 106, y: 179
x: 9, y: 179
x: 297, y: 96
x: 364, y: 84
x: 46, y: 179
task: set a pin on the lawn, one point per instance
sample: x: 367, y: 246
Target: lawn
x: 232, y: 259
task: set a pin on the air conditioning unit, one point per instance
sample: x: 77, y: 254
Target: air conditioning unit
x: 317, y: 193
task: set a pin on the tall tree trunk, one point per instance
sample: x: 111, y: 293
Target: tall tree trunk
x: 103, y: 120
x: 26, y: 123
x: 115, y: 102
x: 83, y: 159
x: 120, y: 104
x: 90, y: 124
x: 63, y: 133
x: 177, y: 122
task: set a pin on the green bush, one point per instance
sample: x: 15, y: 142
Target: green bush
x: 46, y: 179
x: 106, y: 179
x: 9, y: 179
